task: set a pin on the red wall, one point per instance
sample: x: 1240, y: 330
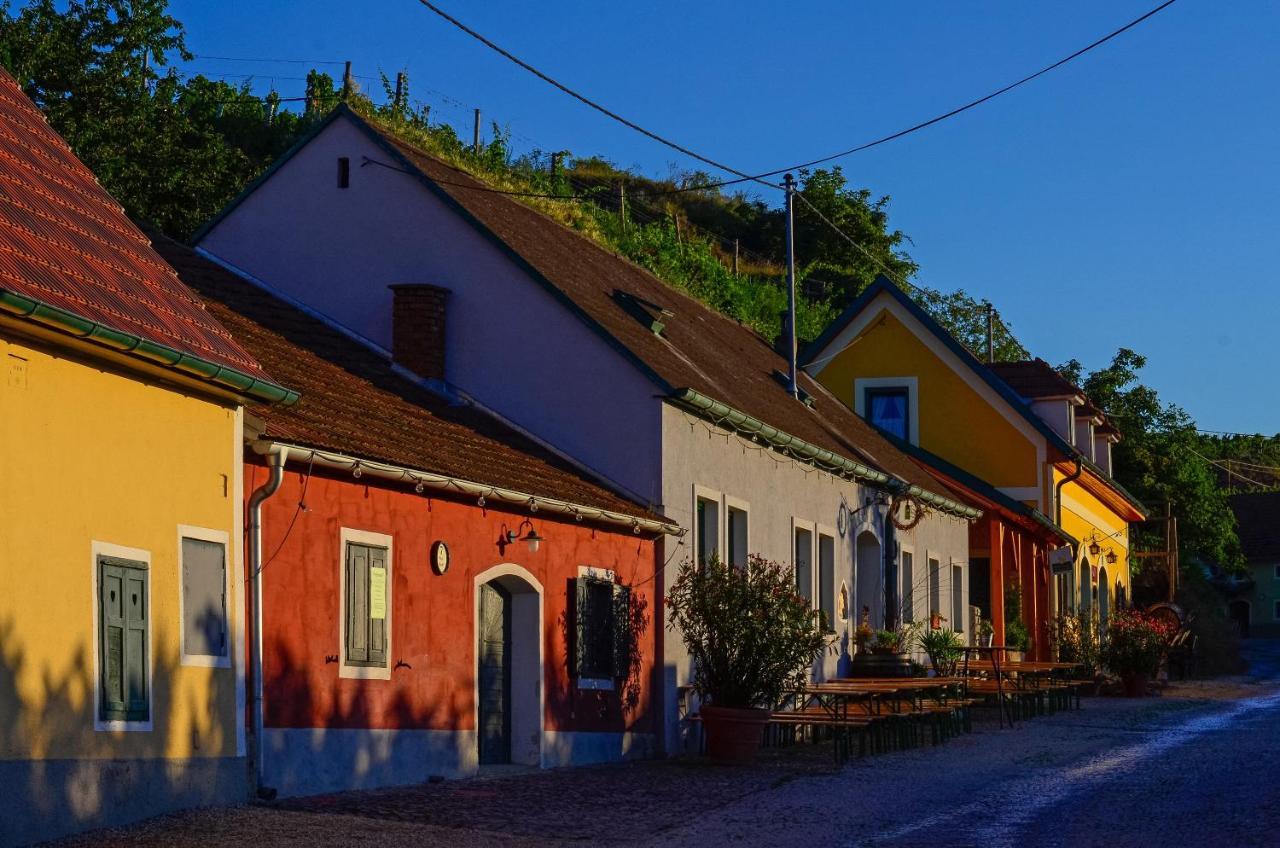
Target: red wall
x: 431, y: 616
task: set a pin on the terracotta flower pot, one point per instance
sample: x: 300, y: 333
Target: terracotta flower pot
x: 1135, y: 685
x: 733, y: 735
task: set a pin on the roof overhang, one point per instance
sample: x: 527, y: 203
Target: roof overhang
x: 188, y: 365
x: 726, y: 416
x: 458, y: 486
x: 1096, y: 482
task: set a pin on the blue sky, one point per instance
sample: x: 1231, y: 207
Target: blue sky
x: 1127, y: 199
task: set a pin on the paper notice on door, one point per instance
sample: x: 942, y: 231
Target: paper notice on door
x: 377, y: 593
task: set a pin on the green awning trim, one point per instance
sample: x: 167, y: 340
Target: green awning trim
x: 63, y: 321
x: 725, y: 415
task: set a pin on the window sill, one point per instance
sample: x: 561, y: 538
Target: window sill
x: 113, y: 724
x: 602, y: 684
x: 364, y: 672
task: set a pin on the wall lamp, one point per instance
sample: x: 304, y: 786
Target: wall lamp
x: 532, y: 539
x: 1094, y: 548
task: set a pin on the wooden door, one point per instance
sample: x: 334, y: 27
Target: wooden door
x: 494, y: 657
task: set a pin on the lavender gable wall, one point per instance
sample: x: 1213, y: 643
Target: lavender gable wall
x: 509, y: 343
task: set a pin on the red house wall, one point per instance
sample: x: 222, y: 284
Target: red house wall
x: 433, y: 634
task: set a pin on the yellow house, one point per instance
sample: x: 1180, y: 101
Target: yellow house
x: 122, y: 686
x: 1020, y: 427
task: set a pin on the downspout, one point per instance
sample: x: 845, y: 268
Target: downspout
x: 276, y: 456
x: 1057, y: 491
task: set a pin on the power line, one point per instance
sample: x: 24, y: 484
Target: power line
x: 281, y: 61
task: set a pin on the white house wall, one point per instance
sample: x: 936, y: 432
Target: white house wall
x: 701, y: 460
x: 509, y: 343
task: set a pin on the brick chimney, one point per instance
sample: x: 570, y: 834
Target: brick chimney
x: 417, y: 328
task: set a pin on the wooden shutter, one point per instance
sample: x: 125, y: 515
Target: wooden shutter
x: 622, y: 646
x: 378, y: 626
x: 579, y: 650
x: 124, y: 640
x: 357, y: 590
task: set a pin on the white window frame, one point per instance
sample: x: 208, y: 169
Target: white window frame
x: 903, y: 588
x: 702, y: 493
x: 929, y: 559
x: 223, y: 538
x: 836, y: 578
x: 348, y: 535
x: 101, y: 549
x: 732, y: 503
x: 958, y: 627
x: 605, y: 684
x: 911, y: 384
x: 798, y: 524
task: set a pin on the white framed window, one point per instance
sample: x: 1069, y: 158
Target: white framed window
x: 365, y: 564
x: 802, y: 561
x: 957, y: 598
x: 202, y: 602
x: 706, y: 525
x: 890, y: 403
x: 737, y: 535
x: 935, y: 587
x: 122, y: 651
x: 907, y: 571
x: 827, y: 576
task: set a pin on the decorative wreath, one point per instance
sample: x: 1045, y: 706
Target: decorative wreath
x: 905, y: 511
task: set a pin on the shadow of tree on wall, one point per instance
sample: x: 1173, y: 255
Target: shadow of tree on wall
x: 62, y: 776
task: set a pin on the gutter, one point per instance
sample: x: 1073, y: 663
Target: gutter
x: 1057, y: 489
x: 188, y: 364
x: 442, y: 483
x: 723, y: 414
x: 277, y: 456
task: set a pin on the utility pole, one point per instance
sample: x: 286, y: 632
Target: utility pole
x: 346, y: 82
x: 622, y: 204
x: 475, y: 135
x: 793, y: 385
x: 735, y: 257
x: 400, y: 87
x: 555, y: 167
x: 273, y: 104
x: 991, y: 333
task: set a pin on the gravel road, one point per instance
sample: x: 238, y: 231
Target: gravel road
x: 1198, y: 766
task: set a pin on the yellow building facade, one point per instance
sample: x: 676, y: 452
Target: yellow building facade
x: 1019, y: 427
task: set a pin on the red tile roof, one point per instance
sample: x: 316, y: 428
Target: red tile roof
x: 354, y: 403
x: 66, y: 243
x: 698, y: 348
x: 1034, y: 379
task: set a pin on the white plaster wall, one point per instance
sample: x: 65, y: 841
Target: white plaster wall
x: 509, y: 343
x: 777, y: 491
x: 1058, y: 414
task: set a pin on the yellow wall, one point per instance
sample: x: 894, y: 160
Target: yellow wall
x: 956, y: 422
x: 93, y: 455
x: 1084, y: 516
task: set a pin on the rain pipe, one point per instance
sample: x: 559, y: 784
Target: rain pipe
x: 276, y: 456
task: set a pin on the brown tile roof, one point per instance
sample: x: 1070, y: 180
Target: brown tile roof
x: 354, y: 403
x: 1258, y: 519
x: 65, y: 242
x: 698, y: 348
x: 1034, y: 379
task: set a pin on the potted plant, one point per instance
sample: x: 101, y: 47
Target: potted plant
x: 1134, y: 645
x: 986, y: 631
x: 751, y: 639
x: 1017, y: 638
x: 944, y: 649
x: 1076, y: 641
x: 884, y: 653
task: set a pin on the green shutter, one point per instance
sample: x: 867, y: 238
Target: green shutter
x: 622, y: 646
x: 579, y: 652
x: 124, y: 640
x: 378, y: 626
x: 357, y: 604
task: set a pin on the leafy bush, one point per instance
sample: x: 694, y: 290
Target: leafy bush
x: 750, y: 636
x: 1016, y: 634
x: 1135, y: 643
x: 944, y: 649
x: 1075, y: 636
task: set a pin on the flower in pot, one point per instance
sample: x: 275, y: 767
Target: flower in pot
x: 935, y: 620
x: 985, y: 632
x: 751, y: 640
x: 1134, y: 645
x: 944, y: 650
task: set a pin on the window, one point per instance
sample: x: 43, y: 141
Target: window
x: 888, y: 409
x: 827, y: 578
x: 602, y: 629
x: 708, y: 529
x: 123, y: 639
x: 203, y: 558
x: 365, y: 595
x: 957, y: 599
x: 344, y: 172
x: 737, y: 537
x: 935, y: 587
x: 1276, y: 571
x: 908, y: 587
x: 804, y: 564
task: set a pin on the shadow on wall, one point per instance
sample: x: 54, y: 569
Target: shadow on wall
x: 61, y: 776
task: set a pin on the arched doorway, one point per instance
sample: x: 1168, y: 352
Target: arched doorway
x: 1240, y: 612
x: 1104, y: 602
x: 509, y: 699
x: 869, y: 588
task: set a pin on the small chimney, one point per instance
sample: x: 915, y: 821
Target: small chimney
x: 417, y: 328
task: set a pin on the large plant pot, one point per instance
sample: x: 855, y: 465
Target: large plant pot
x: 1014, y: 656
x: 733, y: 735
x: 866, y: 664
x: 1135, y: 685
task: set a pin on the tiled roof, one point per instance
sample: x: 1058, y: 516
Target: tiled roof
x: 698, y: 348
x: 354, y: 403
x: 66, y: 243
x: 1034, y: 379
x: 1258, y: 517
